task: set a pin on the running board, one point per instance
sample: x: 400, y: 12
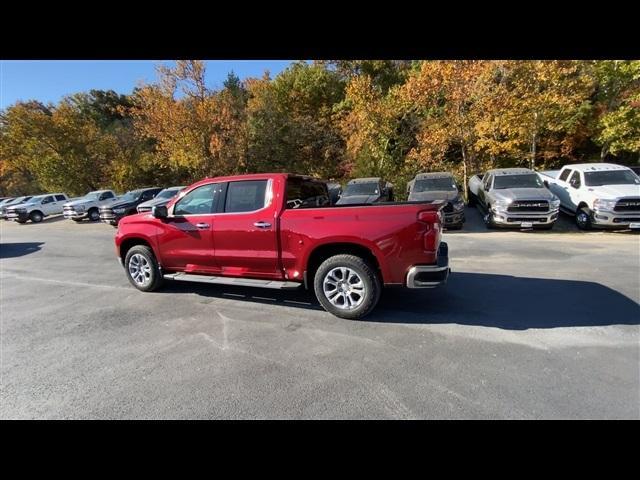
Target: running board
x: 238, y: 282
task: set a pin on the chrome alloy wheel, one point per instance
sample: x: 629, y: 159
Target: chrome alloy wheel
x: 344, y: 288
x: 140, y: 269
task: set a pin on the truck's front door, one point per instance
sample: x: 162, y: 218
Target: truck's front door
x: 484, y: 189
x: 245, y: 231
x: 186, y: 241
x: 573, y: 192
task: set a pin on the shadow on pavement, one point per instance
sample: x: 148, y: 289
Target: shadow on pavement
x: 500, y: 301
x: 11, y: 250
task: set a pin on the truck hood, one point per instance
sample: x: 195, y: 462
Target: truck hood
x: 612, y: 192
x: 524, y: 194
x: 78, y: 201
x: 156, y: 202
x: 434, y: 195
x: 125, y: 204
x: 357, y: 199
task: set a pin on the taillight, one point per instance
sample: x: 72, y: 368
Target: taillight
x: 433, y: 224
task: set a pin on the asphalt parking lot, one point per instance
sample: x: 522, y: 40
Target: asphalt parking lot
x: 530, y: 325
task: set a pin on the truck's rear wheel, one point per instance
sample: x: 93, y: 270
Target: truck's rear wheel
x: 347, y: 286
x: 583, y: 219
x: 142, y: 268
x: 36, y: 217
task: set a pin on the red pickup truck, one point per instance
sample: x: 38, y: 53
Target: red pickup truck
x: 280, y: 231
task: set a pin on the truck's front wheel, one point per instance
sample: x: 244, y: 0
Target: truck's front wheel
x: 583, y: 219
x: 347, y: 286
x: 142, y: 268
x: 36, y: 217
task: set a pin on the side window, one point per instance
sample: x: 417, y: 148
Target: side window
x: 60, y: 198
x: 47, y: 200
x: 306, y: 193
x: 575, y: 180
x: 105, y: 196
x: 199, y: 201
x: 245, y: 196
x: 565, y: 174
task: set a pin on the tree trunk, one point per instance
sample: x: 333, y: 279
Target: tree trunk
x: 533, y: 151
x: 464, y: 172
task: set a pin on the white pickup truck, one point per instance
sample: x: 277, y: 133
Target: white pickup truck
x: 37, y: 208
x: 89, y: 205
x: 597, y: 194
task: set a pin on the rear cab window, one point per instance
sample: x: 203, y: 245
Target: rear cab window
x: 60, y: 197
x: 306, y: 193
x: 575, y: 180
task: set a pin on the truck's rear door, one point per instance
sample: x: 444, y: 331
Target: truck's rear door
x: 245, y: 231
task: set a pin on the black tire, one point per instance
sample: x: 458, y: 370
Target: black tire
x: 583, y: 218
x: 153, y: 278
x: 94, y: 215
x: 488, y: 219
x: 21, y: 221
x: 36, y: 216
x: 77, y: 220
x: 367, y: 275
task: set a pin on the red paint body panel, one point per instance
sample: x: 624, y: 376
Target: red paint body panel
x: 234, y: 246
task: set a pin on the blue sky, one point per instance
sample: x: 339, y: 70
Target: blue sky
x: 50, y: 80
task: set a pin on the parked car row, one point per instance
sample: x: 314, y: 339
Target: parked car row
x: 97, y: 205
x: 596, y: 194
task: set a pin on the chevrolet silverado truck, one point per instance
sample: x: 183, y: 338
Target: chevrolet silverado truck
x: 37, y: 208
x: 513, y: 197
x: 267, y: 230
x: 439, y: 186
x: 602, y: 195
x: 126, y: 205
x: 12, y: 203
x: 366, y: 190
x: 160, y: 199
x: 89, y: 205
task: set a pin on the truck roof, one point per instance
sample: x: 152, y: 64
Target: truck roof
x: 595, y: 167
x: 497, y: 172
x: 422, y: 176
x: 365, y: 180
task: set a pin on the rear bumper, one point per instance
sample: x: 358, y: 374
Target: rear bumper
x: 430, y: 276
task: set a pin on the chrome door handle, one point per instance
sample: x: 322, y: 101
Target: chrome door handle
x: 262, y: 224
x: 202, y: 226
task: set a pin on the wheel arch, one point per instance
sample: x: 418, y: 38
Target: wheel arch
x: 130, y: 242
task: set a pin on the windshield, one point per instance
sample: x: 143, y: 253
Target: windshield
x: 92, y: 195
x: 434, y: 184
x: 131, y: 196
x: 611, y: 177
x: 361, y: 189
x: 517, y: 181
x: 169, y: 192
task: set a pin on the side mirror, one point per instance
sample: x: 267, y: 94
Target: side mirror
x: 546, y: 183
x: 160, y: 212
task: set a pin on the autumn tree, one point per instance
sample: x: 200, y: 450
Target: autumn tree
x: 447, y: 97
x: 290, y: 123
x: 617, y: 122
